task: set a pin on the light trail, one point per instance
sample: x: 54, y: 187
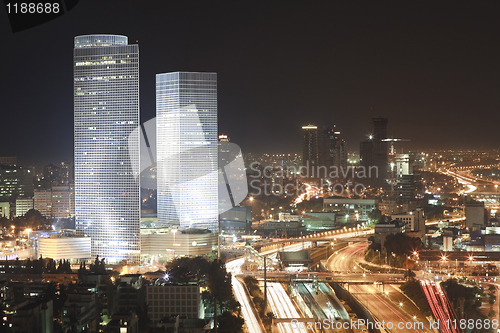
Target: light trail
x: 282, y: 307
x: 251, y: 321
x: 439, y: 305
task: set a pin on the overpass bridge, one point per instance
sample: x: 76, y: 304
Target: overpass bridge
x: 354, y: 233
x: 316, y: 277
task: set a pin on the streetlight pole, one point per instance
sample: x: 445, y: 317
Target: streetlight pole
x: 174, y: 231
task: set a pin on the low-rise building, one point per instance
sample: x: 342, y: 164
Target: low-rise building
x: 59, y: 245
x: 414, y: 223
x: 236, y: 220
x: 318, y: 221
x: 165, y: 300
x: 349, y: 210
x: 35, y: 317
x: 80, y: 311
x: 123, y: 322
x: 167, y: 243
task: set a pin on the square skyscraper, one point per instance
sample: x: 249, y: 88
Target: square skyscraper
x: 106, y: 111
x: 186, y: 145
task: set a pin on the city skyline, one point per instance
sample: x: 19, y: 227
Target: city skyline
x: 432, y: 68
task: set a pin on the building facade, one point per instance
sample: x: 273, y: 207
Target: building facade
x: 166, y: 299
x: 332, y: 149
x: 106, y: 111
x: 165, y: 244
x: 43, y: 202
x: 15, y: 182
x: 186, y: 136
x: 349, y: 210
x: 23, y: 205
x: 375, y: 152
x: 310, y: 146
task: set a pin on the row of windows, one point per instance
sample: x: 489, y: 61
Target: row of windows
x: 173, y: 309
x: 154, y: 289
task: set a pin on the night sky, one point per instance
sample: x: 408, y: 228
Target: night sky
x: 433, y: 70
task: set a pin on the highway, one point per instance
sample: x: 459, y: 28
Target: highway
x: 251, y: 321
x: 282, y: 307
x: 344, y: 261
x: 439, y: 305
x: 386, y: 303
x: 278, y: 299
x: 392, y: 308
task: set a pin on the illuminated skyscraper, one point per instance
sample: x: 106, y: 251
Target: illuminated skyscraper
x: 186, y: 133
x: 106, y: 111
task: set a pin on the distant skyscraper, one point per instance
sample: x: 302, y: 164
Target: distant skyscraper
x: 375, y: 152
x: 332, y: 149
x: 310, y: 145
x: 106, y: 106
x: 186, y: 143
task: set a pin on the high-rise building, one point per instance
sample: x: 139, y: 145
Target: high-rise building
x: 186, y: 139
x: 332, y: 149
x: 106, y: 106
x: 374, y: 152
x: 15, y: 182
x: 310, y: 146
x: 23, y: 206
x: 43, y: 202
x: 8, y: 160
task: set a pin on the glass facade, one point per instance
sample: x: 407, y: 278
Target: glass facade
x: 106, y: 111
x: 186, y: 138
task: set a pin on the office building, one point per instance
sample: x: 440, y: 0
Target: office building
x: 61, y: 202
x: 43, y: 202
x: 332, y: 150
x: 414, y: 222
x: 15, y: 182
x: 166, y: 244
x: 165, y: 299
x: 236, y: 220
x: 55, y: 202
x: 475, y: 214
x: 8, y: 160
x: 374, y: 152
x: 106, y: 111
x: 310, y: 146
x: 186, y: 136
x: 57, y: 174
x: 23, y: 206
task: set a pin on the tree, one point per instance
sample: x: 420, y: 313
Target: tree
x: 219, y: 284
x: 230, y: 323
x: 98, y: 266
x: 409, y: 274
x: 188, y: 269
x: 375, y: 215
x: 402, y: 244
